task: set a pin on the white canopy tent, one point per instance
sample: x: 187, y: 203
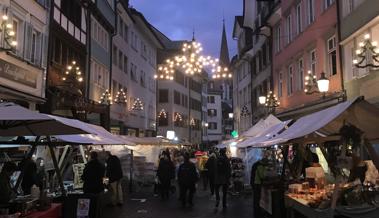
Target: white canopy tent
x: 328, y: 122
x: 261, y: 126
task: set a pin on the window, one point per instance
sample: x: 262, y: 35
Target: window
x: 163, y: 119
x: 120, y: 27
x: 211, y: 99
x: 300, y: 71
x: 163, y: 96
x: 176, y: 97
x: 298, y: 19
x: 280, y: 85
x: 212, y: 112
x: 212, y: 125
x: 290, y: 81
x: 328, y: 3
x: 264, y: 54
x: 332, y: 56
x: 114, y: 55
x: 289, y: 29
x: 311, y: 11
x: 313, y: 61
x: 133, y: 72
x: 277, y: 39
x: 100, y: 74
x: 126, y: 33
x: 99, y: 34
x: 143, y: 78
x: 125, y: 64
x: 120, y: 62
x: 34, y: 47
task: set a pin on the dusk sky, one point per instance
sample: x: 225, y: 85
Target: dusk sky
x: 177, y: 18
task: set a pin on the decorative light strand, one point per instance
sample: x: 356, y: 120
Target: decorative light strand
x: 121, y: 97
x: 106, y: 98
x: 137, y: 105
x: 368, y: 54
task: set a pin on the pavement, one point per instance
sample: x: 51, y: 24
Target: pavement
x: 145, y: 205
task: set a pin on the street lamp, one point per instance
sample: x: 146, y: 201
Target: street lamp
x: 231, y: 115
x: 312, y: 85
x: 9, y: 34
x: 262, y: 99
x: 323, y: 83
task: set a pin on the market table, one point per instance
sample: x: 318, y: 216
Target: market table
x: 55, y: 211
x: 301, y: 206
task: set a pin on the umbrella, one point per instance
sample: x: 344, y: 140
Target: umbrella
x: 19, y: 121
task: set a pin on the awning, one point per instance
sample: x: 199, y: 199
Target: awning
x: 19, y: 121
x: 261, y: 126
x: 267, y: 134
x: 98, y: 135
x: 150, y: 140
x: 328, y: 122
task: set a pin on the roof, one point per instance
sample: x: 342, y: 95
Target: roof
x: 167, y: 42
x: 148, y: 26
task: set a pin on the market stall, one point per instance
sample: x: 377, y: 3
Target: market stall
x: 329, y: 164
x: 18, y: 121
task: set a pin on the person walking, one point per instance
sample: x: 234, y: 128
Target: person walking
x: 222, y: 177
x: 30, y: 175
x: 6, y: 191
x: 93, y: 174
x: 165, y: 173
x: 114, y: 174
x: 187, y: 178
x: 258, y: 171
x: 210, y: 169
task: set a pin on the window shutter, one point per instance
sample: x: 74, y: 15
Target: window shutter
x: 28, y: 42
x: 44, y: 51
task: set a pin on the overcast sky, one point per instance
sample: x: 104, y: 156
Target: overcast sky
x: 177, y: 19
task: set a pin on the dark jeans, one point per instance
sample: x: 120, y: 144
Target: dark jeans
x: 165, y: 189
x: 256, y: 199
x: 204, y: 178
x: 224, y: 193
x: 212, y: 185
x: 183, y: 193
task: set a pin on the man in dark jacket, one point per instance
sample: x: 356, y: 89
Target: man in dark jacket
x: 222, y: 176
x: 165, y: 173
x: 6, y: 192
x: 93, y: 175
x: 114, y: 174
x: 210, y: 166
x: 187, y: 178
x: 30, y: 175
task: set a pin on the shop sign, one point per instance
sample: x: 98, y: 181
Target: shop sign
x: 17, y: 74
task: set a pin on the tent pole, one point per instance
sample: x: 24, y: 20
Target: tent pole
x: 131, y: 172
x: 63, y: 156
x: 83, y: 154
x: 29, y: 155
x: 55, y: 162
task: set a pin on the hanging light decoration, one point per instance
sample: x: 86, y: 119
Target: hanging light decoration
x: 162, y: 114
x: 166, y: 71
x: 137, y: 105
x: 9, y: 33
x: 72, y: 73
x: 367, y: 54
x: 178, y: 117
x: 245, y: 111
x: 312, y: 85
x: 221, y: 73
x: 192, y: 122
x: 271, y: 101
x: 106, y: 98
x: 121, y: 97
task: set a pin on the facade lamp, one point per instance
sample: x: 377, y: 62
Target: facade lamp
x: 367, y: 54
x: 312, y: 85
x: 231, y: 115
x: 9, y: 33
